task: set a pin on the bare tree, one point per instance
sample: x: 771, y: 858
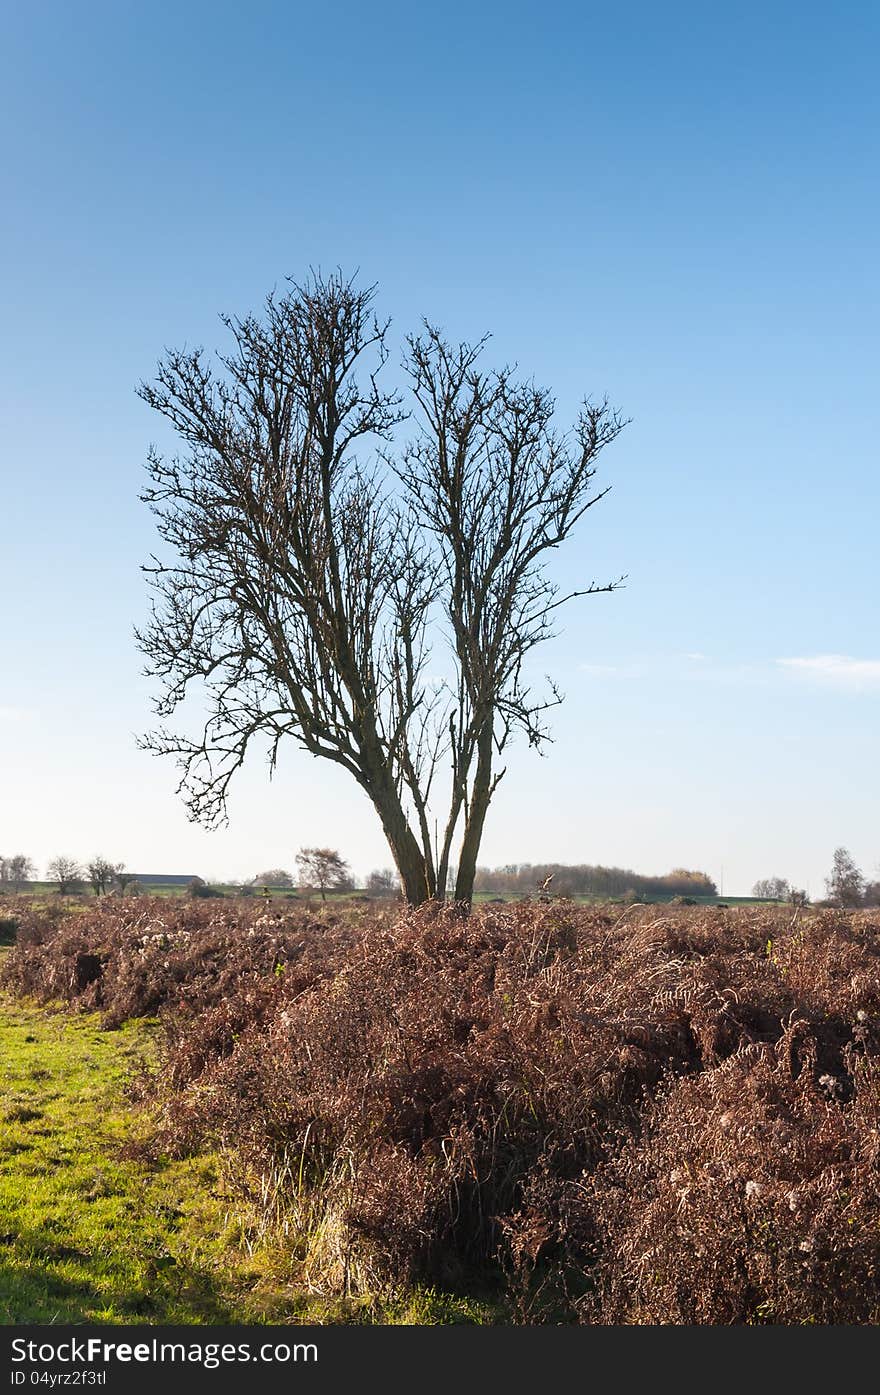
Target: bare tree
x: 323, y: 869
x: 871, y: 893
x: 125, y: 882
x: 67, y: 872
x: 845, y: 884
x: 275, y: 877
x: 497, y: 488
x: 16, y: 871
x: 101, y: 875
x: 772, y: 889
x: 383, y: 882
x: 314, y: 564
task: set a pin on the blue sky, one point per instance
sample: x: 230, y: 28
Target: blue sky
x: 674, y: 205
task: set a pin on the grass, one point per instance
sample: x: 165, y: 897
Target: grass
x: 85, y: 1234
x: 90, y: 1231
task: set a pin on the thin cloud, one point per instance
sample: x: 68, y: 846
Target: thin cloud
x: 840, y: 669
x: 13, y: 714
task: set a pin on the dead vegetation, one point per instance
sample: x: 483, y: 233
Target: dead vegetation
x: 657, y: 1115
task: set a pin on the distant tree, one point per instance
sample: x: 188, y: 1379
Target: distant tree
x: 16, y: 871
x: 871, y: 896
x: 21, y: 871
x: 101, y: 875
x: 67, y: 872
x: 125, y: 882
x: 798, y: 897
x: 523, y: 878
x: 275, y: 877
x: 845, y: 884
x: 772, y: 889
x: 323, y: 869
x: 688, y: 882
x: 384, y: 882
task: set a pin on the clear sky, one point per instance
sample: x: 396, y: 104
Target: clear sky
x: 676, y: 205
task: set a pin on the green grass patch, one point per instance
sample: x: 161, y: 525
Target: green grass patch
x: 85, y: 1233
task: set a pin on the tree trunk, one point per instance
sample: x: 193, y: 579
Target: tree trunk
x: 408, y: 856
x: 476, y: 817
x: 416, y: 874
x: 410, y: 864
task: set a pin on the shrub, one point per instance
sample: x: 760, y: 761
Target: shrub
x: 201, y: 891
x: 753, y: 1196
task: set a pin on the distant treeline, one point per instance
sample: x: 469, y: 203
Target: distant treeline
x: 527, y: 877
